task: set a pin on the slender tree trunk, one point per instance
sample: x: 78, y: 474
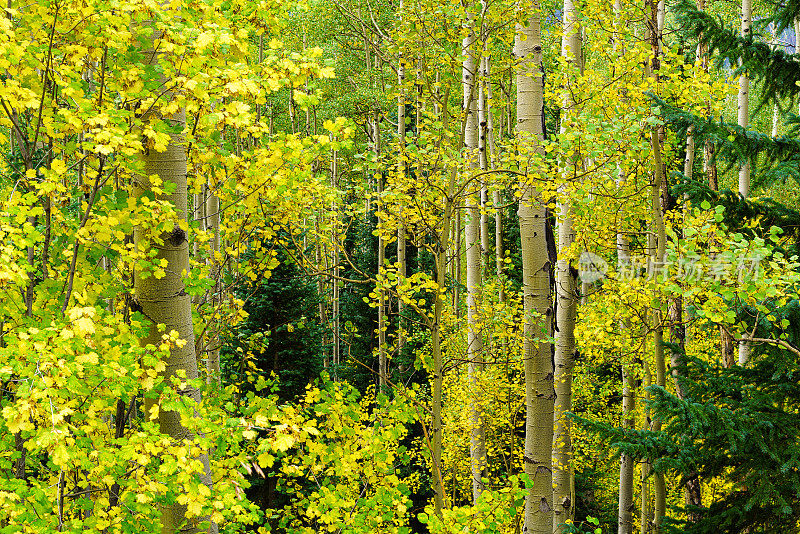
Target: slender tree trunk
x: 436, y: 349
x: 477, y: 448
x: 626, y: 464
x: 646, y: 510
x: 692, y: 488
x: 657, y: 251
x: 566, y: 298
x: 657, y: 259
x: 212, y: 222
x: 483, y: 132
x: 458, y: 282
x: 775, y: 110
x: 625, y: 503
x: 536, y: 283
x: 336, y: 348
x: 743, y: 114
x: 382, y: 345
x: 401, y: 173
x: 440, y: 259
x: 323, y: 321
x: 496, y: 199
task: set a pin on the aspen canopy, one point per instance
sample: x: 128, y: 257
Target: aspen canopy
x: 400, y: 266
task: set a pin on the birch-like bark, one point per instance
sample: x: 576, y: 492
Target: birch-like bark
x: 212, y: 222
x: 401, y: 173
x: 657, y: 245
x: 743, y: 117
x: 457, y: 272
x: 163, y: 300
x: 440, y: 258
x: 382, y: 346
x: 323, y: 320
x: 626, y: 463
x: 566, y: 299
x: 625, y: 504
x: 336, y: 349
x: 657, y: 258
x: 483, y: 132
x: 692, y: 488
x: 477, y: 446
x: 646, y: 509
x: 536, y: 277
x: 775, y: 110
x: 490, y: 151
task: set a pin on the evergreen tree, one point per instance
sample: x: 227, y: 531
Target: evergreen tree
x: 737, y: 424
x: 282, y: 327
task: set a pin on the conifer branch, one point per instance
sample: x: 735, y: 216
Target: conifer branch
x: 778, y: 71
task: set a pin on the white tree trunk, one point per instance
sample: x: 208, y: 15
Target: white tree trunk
x: 477, y: 447
x: 401, y: 172
x: 212, y: 222
x: 383, y: 358
x: 536, y: 273
x: 567, y: 301
x: 626, y: 463
x: 164, y: 300
x: 743, y: 116
x: 496, y: 200
x: 625, y: 504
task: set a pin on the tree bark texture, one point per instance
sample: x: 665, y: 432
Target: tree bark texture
x: 536, y: 283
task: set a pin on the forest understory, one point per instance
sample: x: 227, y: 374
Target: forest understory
x: 400, y: 266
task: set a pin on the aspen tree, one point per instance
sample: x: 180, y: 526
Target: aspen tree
x: 336, y: 349
x: 536, y: 277
x: 483, y: 132
x: 469, y: 82
x: 382, y: 346
x: 458, y: 279
x: 401, y: 172
x: 163, y: 300
x: 482, y: 82
x: 441, y: 248
x: 322, y: 316
x: 490, y: 150
x: 212, y: 222
x: 566, y: 293
x: 657, y: 249
x: 626, y: 463
x: 646, y: 507
x: 625, y: 501
x: 692, y: 487
x: 775, y: 111
x: 743, y: 115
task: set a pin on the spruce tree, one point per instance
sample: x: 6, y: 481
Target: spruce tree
x: 736, y: 424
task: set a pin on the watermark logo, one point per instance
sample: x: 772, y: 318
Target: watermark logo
x: 591, y: 267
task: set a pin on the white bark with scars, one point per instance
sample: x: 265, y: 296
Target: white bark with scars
x: 539, y: 392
